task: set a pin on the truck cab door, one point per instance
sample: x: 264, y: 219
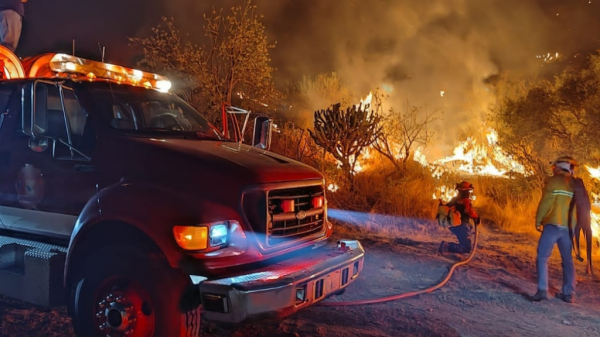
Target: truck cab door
x: 48, y: 175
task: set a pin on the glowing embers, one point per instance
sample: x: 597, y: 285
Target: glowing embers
x: 92, y: 70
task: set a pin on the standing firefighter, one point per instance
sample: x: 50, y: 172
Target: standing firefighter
x: 553, y: 220
x: 462, y: 204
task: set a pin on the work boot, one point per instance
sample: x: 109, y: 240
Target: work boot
x: 540, y: 295
x: 443, y: 247
x: 565, y: 298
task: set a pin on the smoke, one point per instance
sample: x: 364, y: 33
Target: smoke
x: 433, y: 54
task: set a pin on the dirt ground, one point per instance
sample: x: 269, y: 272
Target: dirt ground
x: 488, y: 297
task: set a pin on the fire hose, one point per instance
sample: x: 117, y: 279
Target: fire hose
x: 412, y: 293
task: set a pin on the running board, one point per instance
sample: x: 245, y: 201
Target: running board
x: 32, y: 271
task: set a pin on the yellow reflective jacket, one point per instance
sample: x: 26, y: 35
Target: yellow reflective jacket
x: 553, y: 208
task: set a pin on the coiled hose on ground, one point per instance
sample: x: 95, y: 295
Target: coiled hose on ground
x: 411, y: 293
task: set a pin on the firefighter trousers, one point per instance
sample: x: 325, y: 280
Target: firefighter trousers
x: 463, y: 234
x: 559, y: 235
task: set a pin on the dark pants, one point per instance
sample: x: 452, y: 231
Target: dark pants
x: 463, y: 234
x: 555, y: 235
x: 10, y: 28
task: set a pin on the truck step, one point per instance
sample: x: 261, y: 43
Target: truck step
x: 32, y: 271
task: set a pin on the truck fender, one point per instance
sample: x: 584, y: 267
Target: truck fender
x: 145, y: 215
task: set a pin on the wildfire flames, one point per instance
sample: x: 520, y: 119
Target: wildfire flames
x: 473, y: 157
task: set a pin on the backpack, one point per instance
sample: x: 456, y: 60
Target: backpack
x: 448, y: 216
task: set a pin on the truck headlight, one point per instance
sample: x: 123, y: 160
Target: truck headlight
x: 218, y: 235
x: 203, y: 236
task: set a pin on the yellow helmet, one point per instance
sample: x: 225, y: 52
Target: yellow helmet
x: 464, y: 186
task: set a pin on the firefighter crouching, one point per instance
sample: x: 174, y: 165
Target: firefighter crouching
x: 461, y: 205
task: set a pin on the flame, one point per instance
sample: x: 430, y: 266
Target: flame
x: 470, y: 156
x: 594, y: 172
x: 366, y: 101
x: 444, y: 193
x: 475, y: 159
x: 595, y: 212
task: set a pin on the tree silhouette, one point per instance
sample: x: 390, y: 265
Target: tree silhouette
x: 346, y: 133
x: 233, y: 69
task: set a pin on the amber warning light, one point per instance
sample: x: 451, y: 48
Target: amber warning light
x: 63, y: 65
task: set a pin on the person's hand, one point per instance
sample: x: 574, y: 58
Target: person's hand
x: 477, y: 220
x: 539, y: 227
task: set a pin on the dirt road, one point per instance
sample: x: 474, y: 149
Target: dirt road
x: 486, y: 298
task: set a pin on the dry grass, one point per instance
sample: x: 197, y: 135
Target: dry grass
x: 399, y: 204
x: 508, y: 204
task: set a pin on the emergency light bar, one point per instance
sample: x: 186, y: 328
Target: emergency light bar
x: 69, y: 65
x: 63, y: 65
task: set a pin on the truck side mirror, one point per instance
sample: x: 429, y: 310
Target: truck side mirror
x: 33, y: 122
x: 263, y: 128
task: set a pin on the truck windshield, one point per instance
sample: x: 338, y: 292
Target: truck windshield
x: 144, y: 111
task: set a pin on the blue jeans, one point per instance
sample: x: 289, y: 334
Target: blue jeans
x: 10, y: 28
x: 559, y: 235
x: 463, y: 234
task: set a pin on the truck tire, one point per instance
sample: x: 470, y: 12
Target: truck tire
x: 123, y: 292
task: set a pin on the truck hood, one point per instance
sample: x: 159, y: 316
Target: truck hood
x: 232, y: 159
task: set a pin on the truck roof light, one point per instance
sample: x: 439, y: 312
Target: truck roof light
x: 64, y: 65
x: 72, y: 65
x: 10, y: 65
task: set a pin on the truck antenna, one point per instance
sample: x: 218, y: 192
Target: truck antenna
x: 73, y: 47
x: 102, y: 50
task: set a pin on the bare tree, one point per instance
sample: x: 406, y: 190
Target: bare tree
x: 402, y: 130
x: 346, y: 133
x: 233, y: 69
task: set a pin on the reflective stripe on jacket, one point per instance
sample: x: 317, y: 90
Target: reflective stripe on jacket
x: 553, y: 208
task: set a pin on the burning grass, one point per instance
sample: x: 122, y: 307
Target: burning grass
x: 400, y: 203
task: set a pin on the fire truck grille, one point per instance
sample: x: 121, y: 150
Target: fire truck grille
x: 283, y: 224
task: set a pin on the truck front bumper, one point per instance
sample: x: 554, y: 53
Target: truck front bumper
x: 285, y: 287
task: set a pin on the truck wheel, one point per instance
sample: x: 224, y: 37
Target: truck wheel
x: 122, y: 292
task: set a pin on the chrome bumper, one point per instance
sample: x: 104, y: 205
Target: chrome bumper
x: 285, y: 287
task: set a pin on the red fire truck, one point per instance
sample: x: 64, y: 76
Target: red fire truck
x: 120, y: 201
